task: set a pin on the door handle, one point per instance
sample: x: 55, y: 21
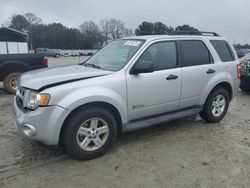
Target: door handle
x: 172, y: 77
x: 211, y: 71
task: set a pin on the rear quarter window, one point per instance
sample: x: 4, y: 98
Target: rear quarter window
x: 223, y: 49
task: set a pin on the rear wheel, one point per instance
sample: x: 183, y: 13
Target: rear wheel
x: 89, y: 133
x: 216, y: 106
x: 10, y: 82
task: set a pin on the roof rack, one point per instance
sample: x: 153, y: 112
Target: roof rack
x: 205, y: 33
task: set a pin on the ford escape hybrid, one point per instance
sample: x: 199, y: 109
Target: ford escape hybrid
x: 129, y: 84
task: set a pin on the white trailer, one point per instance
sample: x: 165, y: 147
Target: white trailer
x: 13, y: 41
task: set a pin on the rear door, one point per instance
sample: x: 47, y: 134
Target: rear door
x: 227, y: 56
x: 198, y: 68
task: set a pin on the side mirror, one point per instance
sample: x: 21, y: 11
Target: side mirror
x: 143, y: 66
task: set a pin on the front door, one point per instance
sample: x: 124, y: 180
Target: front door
x: 157, y: 92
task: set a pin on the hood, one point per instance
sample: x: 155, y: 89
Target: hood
x: 49, y: 77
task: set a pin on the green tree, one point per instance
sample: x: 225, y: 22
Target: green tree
x: 145, y: 28
x: 149, y: 28
x: 160, y: 28
x: 185, y: 27
x: 20, y: 23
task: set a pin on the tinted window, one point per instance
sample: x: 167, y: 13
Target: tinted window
x: 195, y: 53
x: 224, y: 50
x: 162, y: 54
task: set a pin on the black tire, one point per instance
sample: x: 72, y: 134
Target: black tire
x: 207, y: 114
x: 8, y: 82
x: 75, y: 122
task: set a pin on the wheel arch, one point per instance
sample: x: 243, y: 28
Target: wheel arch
x: 224, y: 84
x: 227, y: 87
x: 12, y: 66
x: 107, y: 106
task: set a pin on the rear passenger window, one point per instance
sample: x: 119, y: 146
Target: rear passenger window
x: 195, y: 53
x: 223, y: 49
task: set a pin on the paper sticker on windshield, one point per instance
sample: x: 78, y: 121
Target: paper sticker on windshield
x: 132, y: 43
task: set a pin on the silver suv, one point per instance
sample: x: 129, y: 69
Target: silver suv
x: 130, y: 84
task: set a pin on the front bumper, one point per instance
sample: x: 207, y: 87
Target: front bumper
x: 245, y: 82
x: 46, y: 122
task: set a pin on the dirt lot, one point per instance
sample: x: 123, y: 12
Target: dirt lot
x: 183, y: 153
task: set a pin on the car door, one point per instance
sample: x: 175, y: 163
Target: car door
x: 159, y: 91
x: 198, y: 68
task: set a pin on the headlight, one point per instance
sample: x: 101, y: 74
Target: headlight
x: 34, y: 99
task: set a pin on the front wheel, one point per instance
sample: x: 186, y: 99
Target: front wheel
x: 89, y: 133
x: 216, y: 106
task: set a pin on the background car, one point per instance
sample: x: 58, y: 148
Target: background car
x: 245, y: 73
x: 241, y: 53
x: 50, y: 52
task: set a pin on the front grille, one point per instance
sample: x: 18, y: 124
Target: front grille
x: 19, y: 99
x: 245, y: 68
x: 20, y: 92
x: 19, y: 103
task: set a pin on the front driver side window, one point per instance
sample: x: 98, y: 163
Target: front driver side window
x: 162, y: 54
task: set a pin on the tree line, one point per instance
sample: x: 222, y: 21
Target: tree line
x: 89, y: 35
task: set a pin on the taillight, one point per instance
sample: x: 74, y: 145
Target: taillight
x: 45, y: 61
x: 238, y: 70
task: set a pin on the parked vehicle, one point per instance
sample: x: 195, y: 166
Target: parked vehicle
x: 50, y: 52
x: 66, y: 54
x: 90, y: 54
x: 245, y: 73
x: 130, y: 84
x: 14, y: 57
x: 12, y: 65
x: 86, y: 53
x: 241, y: 53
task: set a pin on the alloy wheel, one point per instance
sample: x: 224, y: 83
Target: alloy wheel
x: 218, y: 105
x: 92, y: 134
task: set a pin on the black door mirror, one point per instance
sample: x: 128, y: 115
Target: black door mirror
x: 143, y: 66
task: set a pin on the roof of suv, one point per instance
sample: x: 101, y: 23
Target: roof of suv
x: 181, y: 34
x: 155, y: 37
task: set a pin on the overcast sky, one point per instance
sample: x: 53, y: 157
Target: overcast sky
x: 230, y: 18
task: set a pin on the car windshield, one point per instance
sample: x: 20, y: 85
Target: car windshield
x: 115, y: 55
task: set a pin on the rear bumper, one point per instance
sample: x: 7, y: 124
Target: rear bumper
x: 245, y: 82
x: 44, y: 123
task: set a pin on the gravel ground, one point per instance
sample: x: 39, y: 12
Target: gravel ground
x: 182, y: 153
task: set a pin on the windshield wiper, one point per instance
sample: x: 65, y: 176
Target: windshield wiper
x: 92, y: 65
